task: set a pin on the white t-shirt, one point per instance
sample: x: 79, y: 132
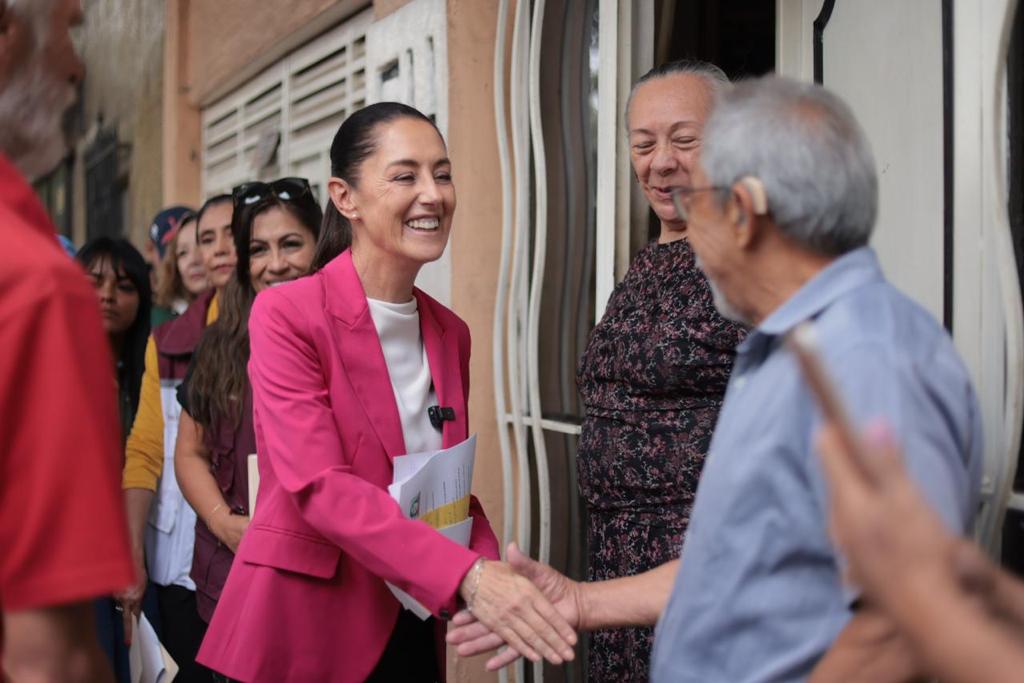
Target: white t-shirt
x: 398, y: 327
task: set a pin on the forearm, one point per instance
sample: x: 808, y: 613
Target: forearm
x: 192, y: 468
x: 137, y: 503
x: 629, y: 601
x: 53, y: 644
x: 954, y: 638
x: 868, y: 649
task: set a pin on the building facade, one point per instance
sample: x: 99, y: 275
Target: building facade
x: 530, y: 96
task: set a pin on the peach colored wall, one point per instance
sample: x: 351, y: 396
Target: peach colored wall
x: 181, y: 132
x: 476, y: 241
x: 209, y: 45
x: 226, y: 36
x: 382, y: 8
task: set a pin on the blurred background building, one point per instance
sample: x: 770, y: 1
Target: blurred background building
x: 186, y: 98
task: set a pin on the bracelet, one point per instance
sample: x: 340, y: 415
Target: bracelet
x: 477, y: 569
x: 209, y: 517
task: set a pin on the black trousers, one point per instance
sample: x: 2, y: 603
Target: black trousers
x: 410, y: 655
x: 182, y: 632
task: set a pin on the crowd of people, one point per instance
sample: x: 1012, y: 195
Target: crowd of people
x: 767, y: 541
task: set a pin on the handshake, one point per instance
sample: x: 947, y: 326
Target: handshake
x: 527, y: 605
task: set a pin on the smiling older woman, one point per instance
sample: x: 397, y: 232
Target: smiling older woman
x: 344, y: 366
x: 655, y: 369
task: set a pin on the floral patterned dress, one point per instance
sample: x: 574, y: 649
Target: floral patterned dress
x: 652, y: 379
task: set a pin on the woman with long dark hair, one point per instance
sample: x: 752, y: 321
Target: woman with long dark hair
x: 119, y: 274
x: 275, y: 228
x: 121, y: 279
x: 344, y: 366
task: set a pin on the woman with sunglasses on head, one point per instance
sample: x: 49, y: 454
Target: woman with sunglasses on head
x: 275, y: 227
x: 121, y: 279
x: 182, y: 275
x: 344, y: 365
x: 161, y: 524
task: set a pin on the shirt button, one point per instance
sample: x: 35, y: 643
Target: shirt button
x: 445, y: 615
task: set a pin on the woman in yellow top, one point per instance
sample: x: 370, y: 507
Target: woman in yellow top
x: 161, y: 524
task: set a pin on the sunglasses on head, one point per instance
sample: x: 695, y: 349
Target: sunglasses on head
x: 285, y: 189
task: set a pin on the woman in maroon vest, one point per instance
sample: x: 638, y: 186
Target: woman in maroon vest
x: 275, y: 228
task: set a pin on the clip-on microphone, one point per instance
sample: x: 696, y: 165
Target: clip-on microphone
x: 439, y: 414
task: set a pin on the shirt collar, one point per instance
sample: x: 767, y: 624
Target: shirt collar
x: 18, y: 196
x: 850, y: 271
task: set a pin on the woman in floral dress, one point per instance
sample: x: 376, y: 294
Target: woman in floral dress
x: 655, y: 369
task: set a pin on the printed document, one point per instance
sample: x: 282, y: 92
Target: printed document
x: 434, y: 487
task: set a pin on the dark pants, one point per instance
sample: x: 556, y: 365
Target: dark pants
x: 410, y: 655
x: 182, y: 632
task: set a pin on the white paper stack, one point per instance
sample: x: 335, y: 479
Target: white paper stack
x: 148, y: 661
x: 434, y: 487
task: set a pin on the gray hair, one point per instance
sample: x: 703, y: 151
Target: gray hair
x: 808, y: 150
x: 714, y: 77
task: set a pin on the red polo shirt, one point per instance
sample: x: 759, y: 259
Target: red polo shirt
x: 63, y: 535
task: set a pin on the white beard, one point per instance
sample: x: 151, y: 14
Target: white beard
x: 32, y: 106
x: 725, y: 309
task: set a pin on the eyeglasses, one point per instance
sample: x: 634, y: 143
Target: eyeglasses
x: 285, y: 189
x: 682, y: 196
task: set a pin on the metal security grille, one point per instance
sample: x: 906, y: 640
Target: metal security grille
x: 281, y: 122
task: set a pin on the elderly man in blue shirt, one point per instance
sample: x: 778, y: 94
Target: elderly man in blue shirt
x: 780, y: 213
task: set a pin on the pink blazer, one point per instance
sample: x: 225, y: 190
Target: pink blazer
x: 306, y: 600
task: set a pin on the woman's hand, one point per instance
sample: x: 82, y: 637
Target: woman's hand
x: 510, y: 607
x: 473, y: 636
x: 228, y: 527
x: 130, y: 600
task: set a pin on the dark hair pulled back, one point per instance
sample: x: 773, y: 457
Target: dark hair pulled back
x: 219, y: 382
x: 356, y: 140
x: 216, y: 200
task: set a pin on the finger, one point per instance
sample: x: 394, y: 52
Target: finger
x: 882, y: 458
x: 463, y: 617
x: 502, y: 659
x: 973, y: 569
x: 485, y: 643
x: 126, y: 620
x: 542, y: 636
x: 462, y: 634
x: 521, y: 562
x: 562, y: 636
x: 982, y: 577
x: 843, y: 476
x: 510, y: 636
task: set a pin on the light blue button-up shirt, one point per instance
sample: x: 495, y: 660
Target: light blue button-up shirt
x: 759, y: 596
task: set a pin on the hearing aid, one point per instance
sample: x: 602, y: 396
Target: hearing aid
x: 757, y: 195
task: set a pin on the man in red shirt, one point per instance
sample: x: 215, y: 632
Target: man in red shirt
x: 63, y: 537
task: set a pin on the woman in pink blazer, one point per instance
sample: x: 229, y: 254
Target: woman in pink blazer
x: 344, y: 365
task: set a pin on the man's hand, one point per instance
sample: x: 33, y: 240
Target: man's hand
x: 1000, y: 595
x: 472, y: 637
